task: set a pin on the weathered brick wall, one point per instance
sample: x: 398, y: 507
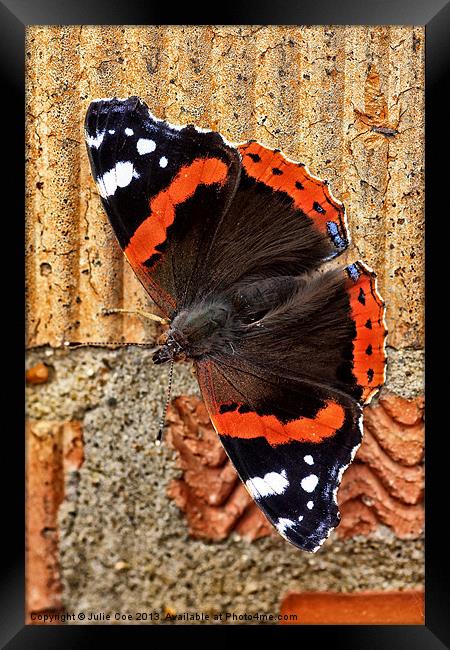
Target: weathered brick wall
x: 347, y: 101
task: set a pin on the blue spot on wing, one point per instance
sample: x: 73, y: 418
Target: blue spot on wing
x: 353, y: 272
x: 333, y: 231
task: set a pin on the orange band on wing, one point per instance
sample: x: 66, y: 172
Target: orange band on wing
x: 153, y: 231
x: 367, y: 310
x: 251, y: 425
x: 311, y: 195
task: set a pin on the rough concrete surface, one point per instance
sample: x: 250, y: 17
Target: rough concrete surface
x: 405, y: 374
x: 347, y: 101
x: 124, y: 544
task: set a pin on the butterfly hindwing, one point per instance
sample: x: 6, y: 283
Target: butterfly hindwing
x: 325, y: 328
x: 302, y: 398
x: 367, y: 312
x: 290, y: 446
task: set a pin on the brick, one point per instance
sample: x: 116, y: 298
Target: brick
x: 347, y: 101
x: 386, y: 481
x: 357, y: 518
x: 406, y: 521
x: 38, y: 374
x: 405, y: 411
x: 404, y: 443
x: 52, y: 449
x: 403, y: 483
x: 358, y: 608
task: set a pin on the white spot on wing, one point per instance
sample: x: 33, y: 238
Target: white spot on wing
x: 309, y: 483
x: 118, y: 176
x: 284, y: 523
x: 95, y: 141
x: 309, y: 459
x: 310, y: 505
x: 129, y: 131
x: 124, y: 173
x: 271, y: 483
x: 110, y: 99
x: 107, y: 184
x: 111, y: 131
x: 145, y: 145
x: 163, y: 161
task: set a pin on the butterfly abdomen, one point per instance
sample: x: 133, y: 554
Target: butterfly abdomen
x: 255, y: 297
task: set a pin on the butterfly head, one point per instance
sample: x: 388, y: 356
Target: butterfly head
x: 195, y: 332
x: 171, y: 350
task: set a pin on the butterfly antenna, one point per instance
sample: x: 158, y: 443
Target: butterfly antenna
x: 162, y: 422
x: 113, y: 345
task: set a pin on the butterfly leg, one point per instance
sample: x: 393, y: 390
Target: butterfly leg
x: 144, y: 314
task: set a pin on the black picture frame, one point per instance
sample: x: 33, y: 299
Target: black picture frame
x: 435, y: 15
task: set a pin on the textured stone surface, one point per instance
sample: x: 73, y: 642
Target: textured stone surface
x: 124, y: 545
x: 368, y: 608
x: 347, y: 101
x: 405, y: 373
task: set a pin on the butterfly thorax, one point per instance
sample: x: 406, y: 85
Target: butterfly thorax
x: 196, y: 331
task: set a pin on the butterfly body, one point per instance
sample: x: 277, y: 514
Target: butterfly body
x: 215, y: 325
x: 231, y: 241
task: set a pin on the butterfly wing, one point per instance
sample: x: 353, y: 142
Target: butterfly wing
x: 367, y: 308
x: 309, y: 194
x: 290, y: 419
x: 164, y: 189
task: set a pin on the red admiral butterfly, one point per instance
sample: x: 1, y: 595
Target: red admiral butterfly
x: 229, y: 241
